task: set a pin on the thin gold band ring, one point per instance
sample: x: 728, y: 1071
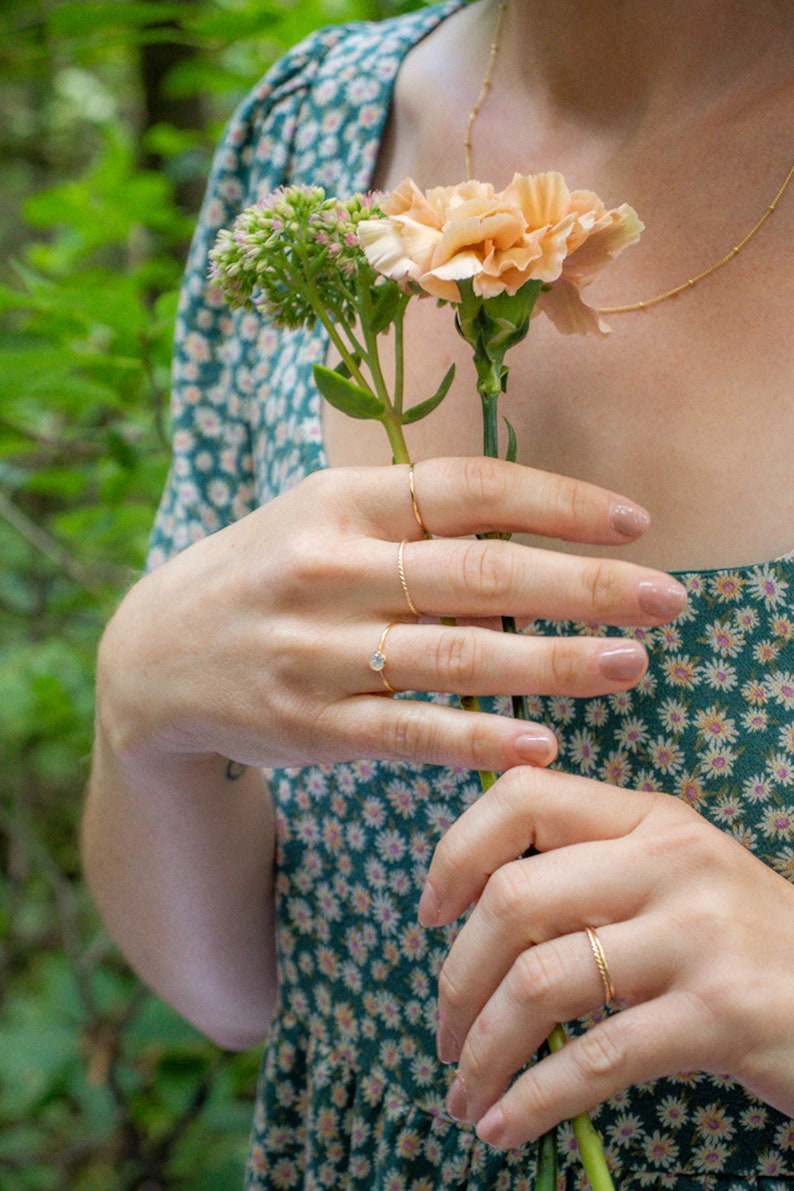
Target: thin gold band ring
x: 601, y: 963
x: 415, y: 503
x: 403, y: 580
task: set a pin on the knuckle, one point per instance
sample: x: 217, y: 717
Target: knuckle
x: 318, y: 483
x: 532, y: 1099
x: 487, y: 570
x: 571, y: 501
x: 457, y: 852
x: 482, y: 745
x: 309, y: 562
x: 678, y: 835
x: 539, y: 973
x: 412, y: 733
x: 478, y: 1055
x: 450, y: 991
x: 457, y: 657
x: 600, y: 582
x: 600, y: 1053
x: 564, y: 667
x: 505, y: 895
x: 486, y: 481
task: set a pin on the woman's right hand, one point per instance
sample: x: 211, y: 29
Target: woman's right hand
x: 254, y: 643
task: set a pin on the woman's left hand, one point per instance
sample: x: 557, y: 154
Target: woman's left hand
x: 696, y: 931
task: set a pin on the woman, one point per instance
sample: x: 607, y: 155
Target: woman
x: 249, y: 649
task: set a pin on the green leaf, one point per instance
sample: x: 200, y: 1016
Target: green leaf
x: 512, y: 443
x: 343, y: 369
x: 385, y: 307
x: 417, y: 412
x: 345, y: 395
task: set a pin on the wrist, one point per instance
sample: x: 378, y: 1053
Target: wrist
x: 137, y: 721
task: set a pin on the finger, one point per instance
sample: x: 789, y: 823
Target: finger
x: 527, y: 903
x: 369, y: 726
x: 477, y: 661
x: 479, y: 578
x: 460, y: 496
x: 552, y: 982
x: 555, y: 981
x: 525, y: 810
x: 657, y: 1038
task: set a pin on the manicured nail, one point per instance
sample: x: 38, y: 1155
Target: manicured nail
x: 447, y: 1045
x: 628, y: 520
x: 457, y: 1101
x: 492, y: 1126
x: 429, y: 906
x: 623, y: 662
x: 662, y: 598
x: 536, y: 750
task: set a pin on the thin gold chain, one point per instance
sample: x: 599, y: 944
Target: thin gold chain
x: 688, y: 284
x: 628, y: 307
x: 486, y: 85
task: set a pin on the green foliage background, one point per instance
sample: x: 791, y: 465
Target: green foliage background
x: 110, y: 109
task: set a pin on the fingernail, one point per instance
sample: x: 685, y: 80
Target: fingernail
x: 662, y: 598
x: 429, y: 906
x: 628, y: 520
x: 447, y: 1045
x: 492, y: 1126
x: 536, y: 750
x: 625, y: 661
x: 457, y: 1101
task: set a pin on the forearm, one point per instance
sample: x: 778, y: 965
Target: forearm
x: 180, y: 862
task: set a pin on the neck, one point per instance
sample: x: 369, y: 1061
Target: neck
x: 625, y: 60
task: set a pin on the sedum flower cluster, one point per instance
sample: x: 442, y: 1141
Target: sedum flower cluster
x: 296, y: 257
x: 294, y: 254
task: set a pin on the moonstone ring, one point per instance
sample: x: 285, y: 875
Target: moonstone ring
x: 377, y: 660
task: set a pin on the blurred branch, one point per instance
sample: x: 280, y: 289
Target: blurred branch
x: 90, y: 579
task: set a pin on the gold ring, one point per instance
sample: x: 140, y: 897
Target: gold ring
x: 377, y: 660
x: 601, y: 964
x: 414, y: 503
x: 403, y: 582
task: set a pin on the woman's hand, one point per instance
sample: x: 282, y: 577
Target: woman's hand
x: 254, y: 643
x: 696, y: 933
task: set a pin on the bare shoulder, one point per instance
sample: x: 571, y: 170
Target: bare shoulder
x: 435, y: 89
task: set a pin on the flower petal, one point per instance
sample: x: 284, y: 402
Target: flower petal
x: 384, y: 248
x: 563, y: 304
x: 535, y: 229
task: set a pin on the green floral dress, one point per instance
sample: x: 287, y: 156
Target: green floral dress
x: 351, y: 1094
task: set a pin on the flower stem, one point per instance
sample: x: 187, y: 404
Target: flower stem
x: 591, y: 1150
x: 394, y: 430
x: 392, y: 411
x: 399, y: 356
x: 490, y: 425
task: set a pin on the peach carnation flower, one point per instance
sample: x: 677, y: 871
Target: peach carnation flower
x: 534, y: 229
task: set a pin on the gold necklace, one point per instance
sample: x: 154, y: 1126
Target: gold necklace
x: 691, y: 281
x: 628, y: 307
x: 486, y: 85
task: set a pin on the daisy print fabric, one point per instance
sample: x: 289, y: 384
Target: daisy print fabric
x: 351, y: 1094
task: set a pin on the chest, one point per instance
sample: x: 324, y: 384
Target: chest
x: 687, y: 409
